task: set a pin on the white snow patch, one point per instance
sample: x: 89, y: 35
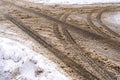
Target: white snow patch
x: 112, y: 20
x: 113, y: 17
x: 73, y: 1
x: 18, y: 62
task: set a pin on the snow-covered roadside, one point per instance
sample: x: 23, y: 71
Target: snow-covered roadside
x: 20, y: 62
x: 72, y: 1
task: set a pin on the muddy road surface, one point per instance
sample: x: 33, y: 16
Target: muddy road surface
x: 76, y: 34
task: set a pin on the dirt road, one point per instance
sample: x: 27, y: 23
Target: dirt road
x: 76, y: 35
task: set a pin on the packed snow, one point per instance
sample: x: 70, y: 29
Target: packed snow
x: 72, y: 1
x: 18, y: 62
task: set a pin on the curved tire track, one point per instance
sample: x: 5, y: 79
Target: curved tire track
x: 109, y: 34
x: 106, y: 77
x: 99, y: 20
x: 78, y: 68
x: 77, y: 49
x: 93, y: 26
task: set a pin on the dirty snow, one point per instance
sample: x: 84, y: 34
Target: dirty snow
x: 73, y: 1
x: 113, y: 17
x: 112, y: 20
x: 18, y: 62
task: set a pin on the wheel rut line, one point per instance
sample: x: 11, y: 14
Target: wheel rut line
x: 57, y: 32
x: 70, y: 26
x: 99, y: 31
x: 97, y: 66
x: 65, y: 31
x: 53, y: 19
x: 69, y: 62
x: 94, y: 27
x: 104, y: 73
x: 99, y: 20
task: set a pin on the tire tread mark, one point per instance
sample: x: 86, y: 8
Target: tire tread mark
x: 65, y: 31
x: 70, y: 26
x: 56, y: 31
x: 95, y: 27
x: 104, y: 73
x: 50, y: 18
x: 99, y: 20
x: 78, y: 68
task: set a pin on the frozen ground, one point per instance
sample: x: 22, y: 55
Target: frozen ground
x: 19, y: 62
x: 73, y: 1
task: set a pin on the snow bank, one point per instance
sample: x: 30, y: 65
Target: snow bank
x: 72, y: 1
x: 18, y: 62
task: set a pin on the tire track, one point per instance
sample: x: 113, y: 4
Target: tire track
x: 104, y: 35
x: 85, y: 57
x: 66, y: 32
x: 78, y: 68
x: 57, y: 32
x: 94, y: 27
x: 99, y: 20
x: 70, y: 26
x: 97, y: 66
x: 107, y: 33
